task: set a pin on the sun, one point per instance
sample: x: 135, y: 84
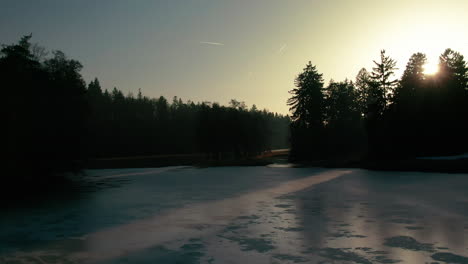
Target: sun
x: 431, y: 68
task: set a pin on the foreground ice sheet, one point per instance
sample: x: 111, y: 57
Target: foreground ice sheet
x: 245, y: 215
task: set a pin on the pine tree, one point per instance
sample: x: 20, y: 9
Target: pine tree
x: 382, y: 87
x: 307, y: 98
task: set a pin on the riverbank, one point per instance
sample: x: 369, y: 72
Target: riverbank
x: 43, y: 185
x: 196, y: 160
x: 281, y: 156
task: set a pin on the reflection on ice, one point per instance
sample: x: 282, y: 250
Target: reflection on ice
x: 281, y: 165
x: 256, y: 214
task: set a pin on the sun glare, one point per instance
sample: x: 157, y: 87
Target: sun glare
x: 431, y: 68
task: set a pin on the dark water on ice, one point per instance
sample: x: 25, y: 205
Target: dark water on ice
x: 245, y: 215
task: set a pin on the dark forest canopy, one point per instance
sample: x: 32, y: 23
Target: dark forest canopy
x: 138, y: 125
x: 379, y: 116
x: 53, y: 118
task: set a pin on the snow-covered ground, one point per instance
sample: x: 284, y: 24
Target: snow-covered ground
x: 269, y: 214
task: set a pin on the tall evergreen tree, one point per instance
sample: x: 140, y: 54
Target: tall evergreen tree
x: 382, y: 84
x: 453, y: 69
x: 307, y: 107
x: 409, y: 90
x: 307, y: 99
x: 45, y: 111
x: 94, y: 88
x: 404, y: 120
x: 452, y: 100
x: 363, y: 90
x: 343, y: 130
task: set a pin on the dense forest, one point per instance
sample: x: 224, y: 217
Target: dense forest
x: 138, y: 125
x: 54, y: 120
x: 379, y: 116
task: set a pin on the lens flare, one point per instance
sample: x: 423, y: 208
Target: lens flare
x: 431, y: 68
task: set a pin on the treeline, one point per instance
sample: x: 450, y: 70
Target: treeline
x: 44, y: 111
x: 132, y: 125
x: 380, y: 117
x: 53, y: 119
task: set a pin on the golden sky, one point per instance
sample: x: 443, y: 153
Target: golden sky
x: 251, y: 50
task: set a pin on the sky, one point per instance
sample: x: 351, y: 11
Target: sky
x: 249, y: 50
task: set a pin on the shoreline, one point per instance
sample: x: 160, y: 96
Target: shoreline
x: 281, y: 157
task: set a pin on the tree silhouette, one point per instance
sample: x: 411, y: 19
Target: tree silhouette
x: 343, y: 119
x: 307, y: 98
x: 382, y: 87
x: 45, y: 110
x: 417, y: 115
x: 412, y: 80
x: 307, y: 106
x: 364, y: 90
x: 55, y: 121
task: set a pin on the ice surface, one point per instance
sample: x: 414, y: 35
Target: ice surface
x: 245, y: 215
x: 454, y: 157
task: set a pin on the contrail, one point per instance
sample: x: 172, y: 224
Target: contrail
x: 212, y: 43
x: 282, y: 49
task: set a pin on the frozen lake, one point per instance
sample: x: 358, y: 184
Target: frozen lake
x: 244, y: 215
